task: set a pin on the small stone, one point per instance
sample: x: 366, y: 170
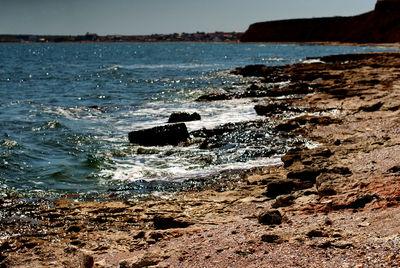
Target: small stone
x: 143, y: 260
x: 395, y: 169
x: 156, y: 236
x: 270, y: 238
x: 283, y: 201
x: 139, y: 235
x: 316, y: 233
x: 364, y: 224
x: 87, y: 261
x: 342, y: 244
x: 325, y: 184
x: 328, y: 221
x: 5, y: 246
x: 371, y: 107
x: 270, y: 217
x: 74, y: 228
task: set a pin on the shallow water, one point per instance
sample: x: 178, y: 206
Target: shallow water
x: 66, y: 110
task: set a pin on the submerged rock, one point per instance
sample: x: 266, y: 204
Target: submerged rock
x: 160, y: 136
x: 183, y: 117
x: 270, y: 108
x: 215, y: 97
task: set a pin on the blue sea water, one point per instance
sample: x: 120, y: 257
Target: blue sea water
x: 66, y: 110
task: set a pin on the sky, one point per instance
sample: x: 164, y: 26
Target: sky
x: 136, y: 17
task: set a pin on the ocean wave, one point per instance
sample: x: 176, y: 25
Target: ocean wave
x: 177, y: 171
x: 52, y: 124
x: 160, y: 66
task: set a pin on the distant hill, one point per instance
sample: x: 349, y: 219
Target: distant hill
x: 381, y: 25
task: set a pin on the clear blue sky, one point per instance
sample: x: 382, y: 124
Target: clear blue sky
x: 160, y: 16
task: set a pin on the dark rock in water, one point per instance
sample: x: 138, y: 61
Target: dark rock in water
x: 168, y: 222
x: 215, y: 97
x: 270, y: 217
x: 270, y: 108
x: 142, y: 150
x: 159, y: 136
x: 183, y: 117
x: 236, y: 134
x: 258, y: 70
x: 269, y: 74
x: 254, y: 87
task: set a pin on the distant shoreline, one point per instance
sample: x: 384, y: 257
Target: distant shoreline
x: 328, y: 43
x: 94, y: 38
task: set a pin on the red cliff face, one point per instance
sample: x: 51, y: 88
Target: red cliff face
x: 379, y: 26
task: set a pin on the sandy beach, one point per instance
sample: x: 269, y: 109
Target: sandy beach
x: 332, y: 204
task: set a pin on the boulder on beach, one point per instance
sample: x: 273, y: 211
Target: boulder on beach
x: 160, y: 136
x: 183, y: 117
x: 270, y: 217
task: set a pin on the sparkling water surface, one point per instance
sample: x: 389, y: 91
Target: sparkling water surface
x: 66, y: 110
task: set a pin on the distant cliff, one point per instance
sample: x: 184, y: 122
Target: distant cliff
x: 379, y: 26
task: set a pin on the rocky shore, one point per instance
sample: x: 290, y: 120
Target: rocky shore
x: 334, y: 204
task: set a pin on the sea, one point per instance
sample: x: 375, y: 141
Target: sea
x: 66, y: 111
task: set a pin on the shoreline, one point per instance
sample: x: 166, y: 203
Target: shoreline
x: 323, y: 43
x: 338, y: 203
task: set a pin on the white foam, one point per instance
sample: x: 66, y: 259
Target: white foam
x: 162, y: 66
x: 178, y: 170
x: 212, y: 113
x: 313, y: 61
